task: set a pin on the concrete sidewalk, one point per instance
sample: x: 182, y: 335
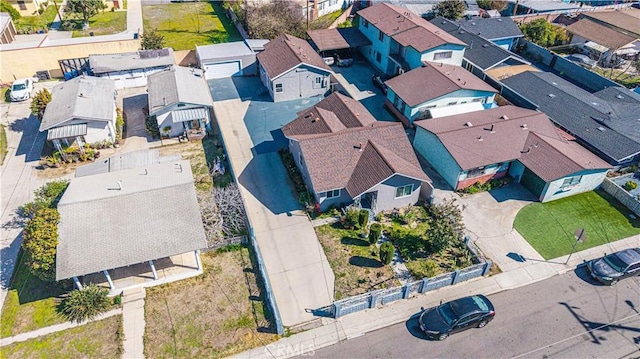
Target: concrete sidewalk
x: 297, y: 267
x: 358, y: 324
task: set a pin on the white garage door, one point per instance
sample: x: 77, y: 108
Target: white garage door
x: 221, y: 70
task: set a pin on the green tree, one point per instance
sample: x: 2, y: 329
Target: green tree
x: 446, y: 227
x: 151, y: 40
x: 6, y: 7
x: 39, y: 103
x: 493, y: 4
x: 268, y: 20
x: 46, y: 196
x: 85, y: 304
x: 363, y: 218
x: 543, y: 33
x: 39, y: 241
x: 84, y: 8
x: 450, y: 9
x: 386, y: 252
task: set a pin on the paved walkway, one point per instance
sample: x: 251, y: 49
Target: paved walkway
x: 358, y: 324
x: 55, y: 328
x: 133, y: 323
x: 295, y: 262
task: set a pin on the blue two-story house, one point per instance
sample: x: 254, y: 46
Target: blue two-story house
x: 402, y: 40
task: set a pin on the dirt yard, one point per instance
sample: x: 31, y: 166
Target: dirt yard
x: 217, y: 314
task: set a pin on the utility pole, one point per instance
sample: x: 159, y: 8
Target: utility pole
x: 55, y: 3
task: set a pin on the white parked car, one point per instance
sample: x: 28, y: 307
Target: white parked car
x: 21, y: 90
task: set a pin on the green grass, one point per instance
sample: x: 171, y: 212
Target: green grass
x: 99, y: 339
x: 549, y: 227
x: 105, y: 23
x: 188, y: 24
x: 3, y: 143
x: 324, y: 21
x: 31, y: 303
x: 37, y: 22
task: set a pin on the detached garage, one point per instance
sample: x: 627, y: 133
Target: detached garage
x: 226, y: 60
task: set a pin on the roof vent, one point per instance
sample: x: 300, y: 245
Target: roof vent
x: 551, y: 95
x: 619, y: 97
x: 601, y: 129
x: 485, y: 45
x: 594, y: 103
x: 504, y: 117
x: 500, y: 20
x: 308, y: 116
x: 480, y: 138
x: 468, y: 124
x: 554, y: 83
x: 524, y: 126
x: 358, y: 146
x: 491, y: 129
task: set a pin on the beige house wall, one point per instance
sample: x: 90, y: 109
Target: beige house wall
x: 25, y: 62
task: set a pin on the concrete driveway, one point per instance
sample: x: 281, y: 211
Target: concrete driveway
x: 489, y: 218
x: 132, y: 101
x: 297, y: 267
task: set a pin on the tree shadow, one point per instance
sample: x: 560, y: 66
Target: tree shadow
x: 227, y: 24
x: 32, y: 140
x: 31, y: 288
x: 365, y: 262
x: 351, y: 241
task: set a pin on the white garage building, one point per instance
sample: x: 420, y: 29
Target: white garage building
x: 130, y: 69
x: 227, y: 59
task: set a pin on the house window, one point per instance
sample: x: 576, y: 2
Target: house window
x: 378, y: 57
x: 365, y: 23
x: 279, y: 88
x: 442, y: 55
x: 318, y: 83
x: 571, y: 181
x: 333, y: 194
x: 21, y: 5
x: 380, y: 36
x: 404, y: 191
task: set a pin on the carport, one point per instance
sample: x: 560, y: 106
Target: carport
x: 329, y: 41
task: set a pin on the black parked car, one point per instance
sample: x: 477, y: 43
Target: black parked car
x: 455, y: 316
x: 379, y: 80
x: 613, y: 267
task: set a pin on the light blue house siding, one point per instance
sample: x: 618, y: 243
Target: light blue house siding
x: 386, y: 192
x: 429, y: 146
x: 458, y: 97
x: 415, y: 58
x: 300, y: 82
x: 579, y: 182
x: 165, y: 119
x: 378, y: 52
x: 506, y: 43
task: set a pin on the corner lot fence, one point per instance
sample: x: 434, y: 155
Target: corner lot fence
x: 621, y: 195
x: 234, y: 18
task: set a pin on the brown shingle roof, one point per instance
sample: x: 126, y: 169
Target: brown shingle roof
x: 627, y: 19
x: 406, y: 27
x: 335, y: 113
x: 286, y: 52
x: 552, y: 158
x: 434, y: 80
x: 359, y: 158
x: 340, y: 38
x: 469, y: 139
x: 601, y: 34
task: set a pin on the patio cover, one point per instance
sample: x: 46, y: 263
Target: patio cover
x: 67, y: 131
x: 341, y: 38
x: 188, y: 115
x: 127, y: 217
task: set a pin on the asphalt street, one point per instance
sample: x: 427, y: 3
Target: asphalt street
x: 566, y: 316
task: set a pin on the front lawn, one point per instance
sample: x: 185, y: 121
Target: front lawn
x: 99, y: 339
x: 30, y: 303
x: 549, y: 227
x: 104, y: 23
x: 217, y: 314
x: 186, y: 24
x: 37, y: 22
x: 355, y: 263
x: 324, y: 21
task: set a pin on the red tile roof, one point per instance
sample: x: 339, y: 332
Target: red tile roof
x: 406, y: 27
x: 434, y: 80
x: 285, y: 53
x: 335, y: 113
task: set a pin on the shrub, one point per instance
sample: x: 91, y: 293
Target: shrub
x: 363, y: 218
x: 386, y: 252
x: 352, y: 219
x: 424, y: 268
x: 119, y: 123
x: 40, y: 238
x: 39, y: 103
x: 630, y: 185
x: 374, y: 233
x: 85, y: 304
x: 151, y: 125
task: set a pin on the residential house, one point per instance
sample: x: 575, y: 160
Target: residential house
x: 226, y: 60
x: 526, y: 7
x: 481, y: 55
x: 82, y: 110
x: 318, y: 8
x: 480, y: 146
x: 621, y: 19
x: 7, y: 29
x: 436, y: 90
x: 425, y: 8
x: 131, y: 69
x: 345, y: 156
x: 291, y: 69
x: 591, y: 119
x: 603, y: 41
x: 114, y: 224
x: 180, y: 99
x: 402, y: 41
x: 27, y: 7
x: 503, y: 32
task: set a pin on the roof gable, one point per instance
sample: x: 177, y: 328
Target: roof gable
x: 287, y: 52
x: 491, y: 28
x: 177, y: 85
x: 601, y: 34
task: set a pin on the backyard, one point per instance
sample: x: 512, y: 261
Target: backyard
x: 549, y: 227
x: 99, y: 339
x: 186, y: 25
x: 104, y: 23
x: 217, y: 314
x: 28, y: 24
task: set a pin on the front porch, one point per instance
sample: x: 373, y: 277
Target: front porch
x: 189, y: 124
x: 147, y: 274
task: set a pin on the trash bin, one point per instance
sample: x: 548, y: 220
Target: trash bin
x: 135, y: 36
